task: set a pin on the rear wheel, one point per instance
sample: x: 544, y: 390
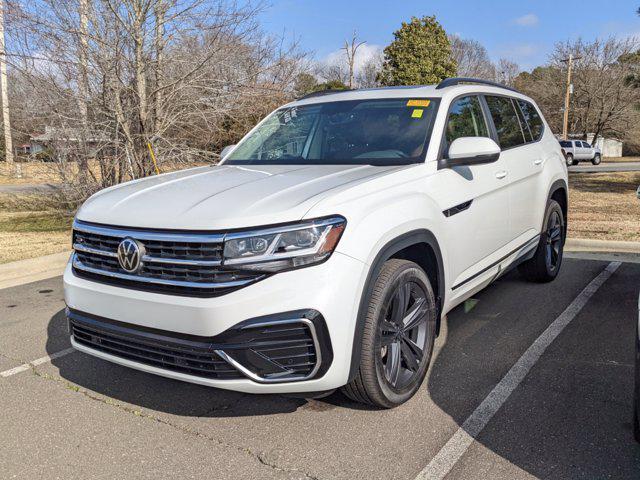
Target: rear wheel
x: 546, y: 262
x: 569, y: 160
x: 398, y: 337
x: 597, y: 159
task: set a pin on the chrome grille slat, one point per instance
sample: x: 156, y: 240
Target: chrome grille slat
x: 173, y: 262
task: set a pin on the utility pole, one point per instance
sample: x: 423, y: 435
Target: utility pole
x: 8, y: 144
x: 567, y: 100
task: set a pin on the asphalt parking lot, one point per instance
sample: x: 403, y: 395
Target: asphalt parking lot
x: 569, y: 417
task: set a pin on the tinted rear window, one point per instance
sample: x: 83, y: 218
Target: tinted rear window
x: 506, y: 122
x: 532, y: 118
x: 565, y: 144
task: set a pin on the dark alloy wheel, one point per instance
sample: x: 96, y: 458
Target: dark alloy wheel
x: 398, y: 337
x: 547, y: 259
x: 403, y: 333
x: 554, y: 241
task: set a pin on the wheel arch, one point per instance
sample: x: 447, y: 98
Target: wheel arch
x: 559, y: 192
x: 419, y: 246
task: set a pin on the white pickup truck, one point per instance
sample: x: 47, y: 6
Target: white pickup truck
x: 576, y: 151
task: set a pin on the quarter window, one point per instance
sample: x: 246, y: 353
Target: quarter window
x: 506, y: 122
x: 466, y: 119
x: 532, y: 118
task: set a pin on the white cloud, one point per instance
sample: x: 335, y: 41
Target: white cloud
x: 519, y: 51
x: 528, y: 20
x: 364, y: 53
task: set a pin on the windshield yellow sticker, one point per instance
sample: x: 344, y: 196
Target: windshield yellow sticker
x: 417, y: 113
x: 419, y: 103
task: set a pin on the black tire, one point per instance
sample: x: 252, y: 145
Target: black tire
x: 547, y: 260
x: 596, y: 159
x: 569, y: 160
x: 388, y: 347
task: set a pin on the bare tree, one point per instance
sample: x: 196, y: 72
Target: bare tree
x: 367, y: 76
x: 603, y: 100
x: 112, y: 76
x: 506, y: 71
x: 4, y: 89
x: 350, y: 50
x: 472, y: 58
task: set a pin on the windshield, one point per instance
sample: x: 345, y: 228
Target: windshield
x: 378, y: 132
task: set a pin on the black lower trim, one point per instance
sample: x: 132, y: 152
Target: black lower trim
x: 476, y: 275
x: 266, y: 349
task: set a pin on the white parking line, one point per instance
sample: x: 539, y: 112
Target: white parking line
x: 458, y: 444
x: 39, y: 361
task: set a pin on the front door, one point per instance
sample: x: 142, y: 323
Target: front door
x: 475, y: 201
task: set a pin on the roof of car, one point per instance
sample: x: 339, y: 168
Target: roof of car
x: 443, y: 89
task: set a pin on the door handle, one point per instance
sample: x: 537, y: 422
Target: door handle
x: 501, y: 174
x: 537, y: 161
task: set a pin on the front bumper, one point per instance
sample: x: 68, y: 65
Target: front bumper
x: 332, y: 290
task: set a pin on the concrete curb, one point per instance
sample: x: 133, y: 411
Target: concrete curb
x: 600, y: 246
x: 33, y: 269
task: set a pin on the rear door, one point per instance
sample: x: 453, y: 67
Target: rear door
x: 524, y: 160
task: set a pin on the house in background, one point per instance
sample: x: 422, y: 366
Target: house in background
x: 67, y: 139
x: 610, y: 147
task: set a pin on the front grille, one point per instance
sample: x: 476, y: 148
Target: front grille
x: 266, y: 351
x: 173, y: 262
x: 192, y: 360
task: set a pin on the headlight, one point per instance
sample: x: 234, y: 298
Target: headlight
x: 283, y: 248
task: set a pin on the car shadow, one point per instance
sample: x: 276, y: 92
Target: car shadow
x: 166, y: 395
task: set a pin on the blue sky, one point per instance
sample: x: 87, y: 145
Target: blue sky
x: 521, y: 30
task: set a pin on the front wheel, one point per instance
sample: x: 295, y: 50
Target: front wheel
x: 546, y: 262
x: 597, y: 159
x: 398, y: 337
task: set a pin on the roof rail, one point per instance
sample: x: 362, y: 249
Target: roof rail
x: 321, y: 93
x: 450, y: 82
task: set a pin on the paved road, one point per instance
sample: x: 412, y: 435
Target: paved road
x: 570, y: 418
x: 586, y: 167
x: 27, y: 188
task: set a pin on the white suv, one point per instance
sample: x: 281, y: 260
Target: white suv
x: 326, y: 247
x: 576, y: 151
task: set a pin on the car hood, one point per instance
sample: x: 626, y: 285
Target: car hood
x: 223, y: 197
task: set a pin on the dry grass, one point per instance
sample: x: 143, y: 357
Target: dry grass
x: 33, y: 244
x: 620, y: 159
x: 604, y: 206
x: 31, y: 172
x: 32, y: 234
x: 50, y: 172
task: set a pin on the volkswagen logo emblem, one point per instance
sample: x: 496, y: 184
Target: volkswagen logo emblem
x: 130, y: 255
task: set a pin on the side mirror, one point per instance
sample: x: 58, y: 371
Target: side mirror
x: 472, y: 151
x: 226, y: 151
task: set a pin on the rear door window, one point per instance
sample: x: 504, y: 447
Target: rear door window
x: 506, y: 122
x: 533, y: 119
